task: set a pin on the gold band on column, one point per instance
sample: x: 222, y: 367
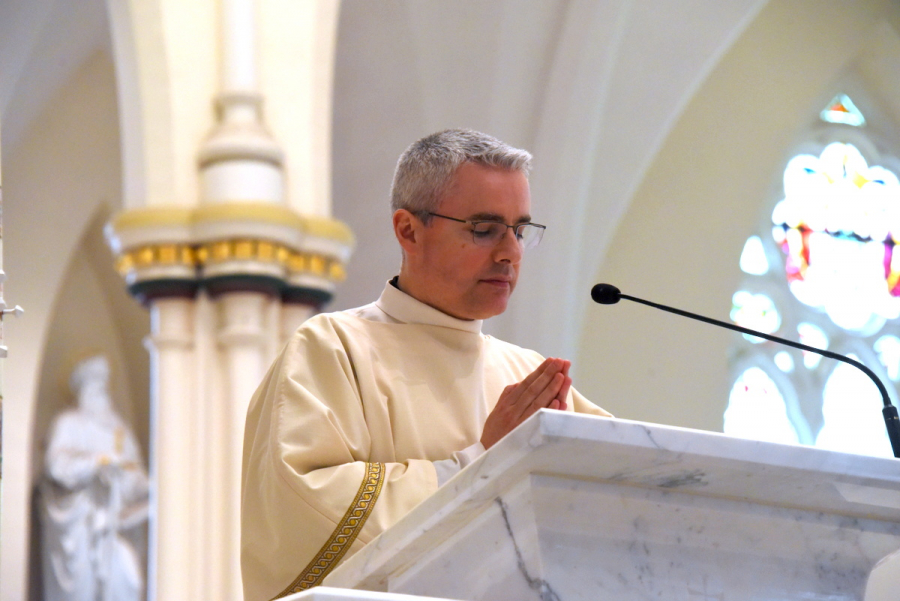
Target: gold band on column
x: 230, y: 247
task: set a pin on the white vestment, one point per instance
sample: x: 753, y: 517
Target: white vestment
x: 343, y: 432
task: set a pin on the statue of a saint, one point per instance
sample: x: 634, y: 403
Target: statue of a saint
x: 94, y: 488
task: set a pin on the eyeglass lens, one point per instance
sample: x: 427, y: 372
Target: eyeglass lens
x: 489, y: 233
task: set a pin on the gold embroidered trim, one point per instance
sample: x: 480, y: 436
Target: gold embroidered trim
x: 344, y: 534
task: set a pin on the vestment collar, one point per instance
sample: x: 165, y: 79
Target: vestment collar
x: 407, y: 309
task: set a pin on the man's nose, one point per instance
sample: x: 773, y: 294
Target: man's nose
x: 508, y: 248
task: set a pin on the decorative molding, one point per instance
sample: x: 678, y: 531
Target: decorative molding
x: 261, y: 211
x: 243, y: 249
x: 329, y: 229
x: 152, y: 217
x: 227, y: 247
x: 161, y: 270
x: 236, y: 138
x: 161, y: 255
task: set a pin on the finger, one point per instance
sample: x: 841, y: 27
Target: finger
x: 543, y: 375
x: 564, y: 391
x: 539, y: 392
x: 548, y: 364
x: 533, y: 384
x: 508, y: 398
x: 545, y: 396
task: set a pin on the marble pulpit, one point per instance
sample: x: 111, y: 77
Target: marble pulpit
x: 572, y: 507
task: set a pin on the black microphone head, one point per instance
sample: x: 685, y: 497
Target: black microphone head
x: 605, y: 294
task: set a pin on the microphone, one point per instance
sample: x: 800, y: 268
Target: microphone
x: 607, y: 294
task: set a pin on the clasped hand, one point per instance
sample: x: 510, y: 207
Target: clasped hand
x: 545, y: 387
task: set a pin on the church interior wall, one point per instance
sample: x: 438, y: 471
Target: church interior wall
x: 681, y: 238
x: 651, y: 169
x: 62, y: 181
x: 582, y: 92
x: 92, y: 313
x: 588, y: 98
x: 165, y: 57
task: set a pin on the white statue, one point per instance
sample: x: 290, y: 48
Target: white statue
x: 94, y: 488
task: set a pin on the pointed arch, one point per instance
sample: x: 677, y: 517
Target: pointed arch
x: 835, y: 279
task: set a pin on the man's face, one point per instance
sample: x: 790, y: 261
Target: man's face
x: 457, y: 276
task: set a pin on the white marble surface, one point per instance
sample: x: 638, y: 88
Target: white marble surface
x: 324, y: 593
x: 575, y: 507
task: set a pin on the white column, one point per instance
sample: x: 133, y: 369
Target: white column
x: 173, y: 552
x: 292, y: 317
x: 243, y: 344
x: 239, y: 51
x: 240, y: 165
x: 233, y: 242
x: 240, y: 161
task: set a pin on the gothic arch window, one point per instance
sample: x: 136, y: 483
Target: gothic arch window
x: 824, y: 270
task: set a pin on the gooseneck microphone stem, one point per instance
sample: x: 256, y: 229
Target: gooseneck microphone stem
x: 608, y: 294
x: 802, y: 347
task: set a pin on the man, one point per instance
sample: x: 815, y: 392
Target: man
x: 366, y: 412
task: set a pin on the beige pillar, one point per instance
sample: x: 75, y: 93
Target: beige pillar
x: 173, y: 427
x: 227, y: 255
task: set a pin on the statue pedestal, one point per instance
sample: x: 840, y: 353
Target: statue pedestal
x: 579, y: 507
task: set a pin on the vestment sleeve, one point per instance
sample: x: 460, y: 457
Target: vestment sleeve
x: 579, y: 404
x: 310, y: 492
x: 447, y: 468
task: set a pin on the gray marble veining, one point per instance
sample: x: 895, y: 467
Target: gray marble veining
x: 572, y: 507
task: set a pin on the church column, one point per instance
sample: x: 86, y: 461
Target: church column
x: 242, y: 339
x: 227, y: 256
x: 244, y: 244
x: 292, y: 315
x: 157, y: 259
x: 173, y: 433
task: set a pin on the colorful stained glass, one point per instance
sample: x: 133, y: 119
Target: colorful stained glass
x: 814, y: 336
x: 756, y: 409
x: 837, y: 226
x: 753, y: 257
x: 888, y: 349
x: 755, y: 311
x: 851, y: 408
x: 784, y: 361
x: 842, y: 110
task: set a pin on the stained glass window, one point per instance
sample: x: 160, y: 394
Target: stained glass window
x: 756, y: 409
x: 835, y: 227
x: 842, y: 110
x: 888, y: 349
x: 836, y: 286
x: 851, y: 407
x: 755, y: 311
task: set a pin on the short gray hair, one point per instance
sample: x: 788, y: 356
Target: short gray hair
x: 426, y: 169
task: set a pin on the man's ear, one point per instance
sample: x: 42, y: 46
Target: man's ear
x: 407, y: 228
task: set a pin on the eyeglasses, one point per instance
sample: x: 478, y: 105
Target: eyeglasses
x: 489, y: 233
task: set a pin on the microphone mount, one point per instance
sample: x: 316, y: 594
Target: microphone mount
x: 607, y: 294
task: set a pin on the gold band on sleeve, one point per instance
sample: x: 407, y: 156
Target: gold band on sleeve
x: 344, y: 534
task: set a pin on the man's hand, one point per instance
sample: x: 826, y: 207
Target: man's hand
x: 545, y: 387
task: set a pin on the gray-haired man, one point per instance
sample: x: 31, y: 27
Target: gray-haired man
x: 368, y: 411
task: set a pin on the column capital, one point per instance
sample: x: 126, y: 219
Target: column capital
x: 155, y: 252
x: 165, y: 252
